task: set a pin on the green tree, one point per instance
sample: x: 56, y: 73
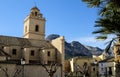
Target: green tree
x: 108, y: 22
x: 101, y: 3
x: 109, y: 19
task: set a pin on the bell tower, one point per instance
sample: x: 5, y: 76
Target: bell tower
x: 34, y: 25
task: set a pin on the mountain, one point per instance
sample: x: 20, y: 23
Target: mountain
x: 75, y: 48
x: 52, y: 36
x: 94, y: 50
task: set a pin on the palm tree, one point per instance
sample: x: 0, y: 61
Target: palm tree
x: 109, y: 11
x: 109, y: 21
x: 107, y: 26
x: 99, y: 3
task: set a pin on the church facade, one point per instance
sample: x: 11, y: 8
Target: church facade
x: 33, y: 49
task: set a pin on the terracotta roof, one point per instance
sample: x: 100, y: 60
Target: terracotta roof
x: 24, y: 42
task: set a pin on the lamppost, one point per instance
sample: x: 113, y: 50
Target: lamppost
x: 5, y: 71
x: 22, y: 63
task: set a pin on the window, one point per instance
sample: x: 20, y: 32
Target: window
x: 35, y: 13
x: 101, y: 64
x: 110, y: 71
x: 14, y: 51
x: 32, y: 53
x: 102, y: 69
x: 93, y: 69
x: 36, y: 28
x: 48, y: 53
x: 2, y: 47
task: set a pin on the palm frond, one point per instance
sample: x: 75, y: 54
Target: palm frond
x: 101, y: 37
x: 109, y: 46
x: 92, y: 3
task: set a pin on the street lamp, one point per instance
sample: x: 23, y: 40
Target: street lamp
x: 22, y: 63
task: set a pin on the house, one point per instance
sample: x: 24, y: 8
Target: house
x: 81, y: 65
x: 107, y: 67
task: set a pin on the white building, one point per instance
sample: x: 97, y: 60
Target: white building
x: 107, y: 68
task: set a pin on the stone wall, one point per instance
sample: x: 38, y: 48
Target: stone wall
x: 27, y: 70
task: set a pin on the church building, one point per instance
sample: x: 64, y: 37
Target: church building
x: 37, y: 53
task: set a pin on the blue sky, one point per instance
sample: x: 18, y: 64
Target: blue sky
x: 69, y: 18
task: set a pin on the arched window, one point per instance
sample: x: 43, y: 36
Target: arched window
x: 36, y: 28
x: 35, y: 13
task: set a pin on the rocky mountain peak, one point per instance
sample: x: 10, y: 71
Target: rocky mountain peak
x: 52, y: 36
x: 75, y: 48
